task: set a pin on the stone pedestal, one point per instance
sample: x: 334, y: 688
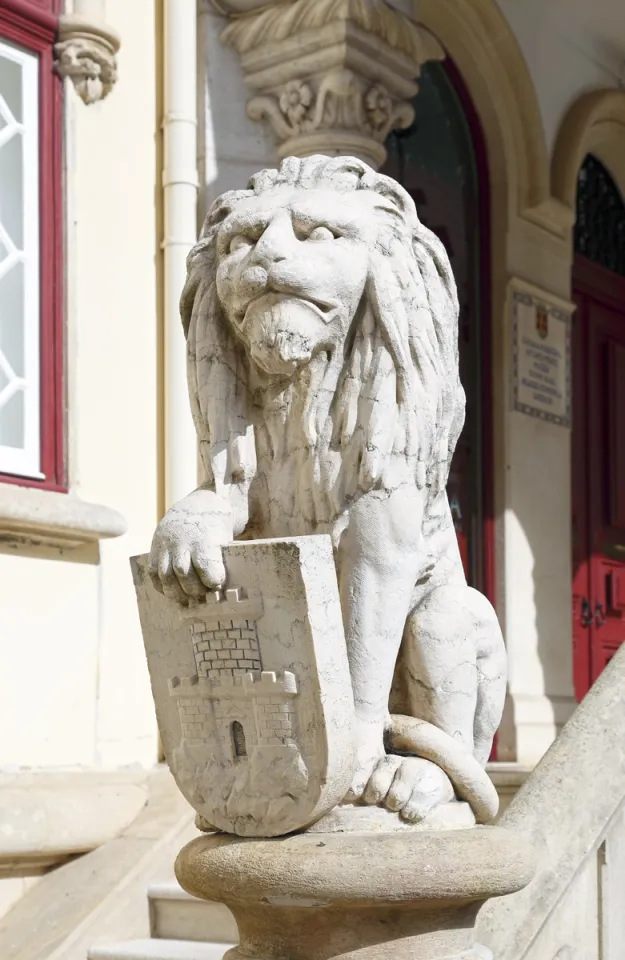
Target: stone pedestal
x: 413, y: 894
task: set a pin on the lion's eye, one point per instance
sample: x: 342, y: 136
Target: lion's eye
x: 240, y: 242
x: 320, y: 233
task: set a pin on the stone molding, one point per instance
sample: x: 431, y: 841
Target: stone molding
x: 86, y: 53
x: 48, y: 817
x: 427, y: 911
x: 48, y: 518
x: 69, y: 910
x: 595, y: 123
x: 331, y: 76
x: 485, y: 50
x: 568, y: 807
x: 239, y: 8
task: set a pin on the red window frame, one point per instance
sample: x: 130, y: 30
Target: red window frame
x: 33, y: 24
x: 478, y: 138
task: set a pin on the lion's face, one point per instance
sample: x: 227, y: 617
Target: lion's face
x: 292, y: 267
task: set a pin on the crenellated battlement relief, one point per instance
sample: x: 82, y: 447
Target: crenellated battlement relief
x: 258, y: 710
x: 231, y: 703
x: 270, y: 684
x: 220, y: 605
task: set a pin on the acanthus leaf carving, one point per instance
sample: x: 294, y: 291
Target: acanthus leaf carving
x: 279, y: 21
x: 331, y: 76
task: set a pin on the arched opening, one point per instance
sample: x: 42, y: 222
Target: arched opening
x: 441, y: 161
x: 600, y: 221
x: 598, y: 442
x: 238, y: 740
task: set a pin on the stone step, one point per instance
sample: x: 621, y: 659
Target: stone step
x: 508, y: 779
x: 175, y: 915
x: 159, y: 950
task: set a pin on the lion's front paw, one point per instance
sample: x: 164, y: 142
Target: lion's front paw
x: 185, y: 561
x: 409, y: 786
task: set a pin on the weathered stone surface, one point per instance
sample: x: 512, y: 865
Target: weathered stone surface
x: 321, y: 319
x: 252, y: 688
x: 46, y: 818
x: 572, y: 810
x: 54, y: 519
x: 409, y: 894
x: 100, y: 897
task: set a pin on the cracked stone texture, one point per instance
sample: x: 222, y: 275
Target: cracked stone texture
x: 322, y: 321
x: 256, y: 753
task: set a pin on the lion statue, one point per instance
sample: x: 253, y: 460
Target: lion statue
x: 321, y: 320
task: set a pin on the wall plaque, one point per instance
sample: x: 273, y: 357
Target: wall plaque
x: 541, y: 355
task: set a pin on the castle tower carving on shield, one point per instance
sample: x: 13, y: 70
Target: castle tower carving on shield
x: 231, y: 701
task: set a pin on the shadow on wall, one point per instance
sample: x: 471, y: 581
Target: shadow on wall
x: 540, y: 696
x: 230, y: 146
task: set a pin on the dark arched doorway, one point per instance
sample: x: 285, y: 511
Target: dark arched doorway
x: 598, y: 442
x: 441, y: 162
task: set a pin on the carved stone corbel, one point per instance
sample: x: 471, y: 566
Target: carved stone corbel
x: 331, y: 76
x: 85, y: 53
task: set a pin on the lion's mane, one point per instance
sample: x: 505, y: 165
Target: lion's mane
x: 397, y: 400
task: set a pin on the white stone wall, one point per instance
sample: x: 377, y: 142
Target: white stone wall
x: 114, y: 360
x: 74, y: 679
x: 570, y: 46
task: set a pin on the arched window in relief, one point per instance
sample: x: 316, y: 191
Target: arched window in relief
x: 238, y: 740
x: 600, y: 225
x: 441, y: 161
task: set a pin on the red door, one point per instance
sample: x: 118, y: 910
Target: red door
x: 598, y: 466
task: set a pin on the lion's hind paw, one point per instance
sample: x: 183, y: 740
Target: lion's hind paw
x: 409, y: 786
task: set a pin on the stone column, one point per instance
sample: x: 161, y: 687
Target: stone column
x: 330, y: 78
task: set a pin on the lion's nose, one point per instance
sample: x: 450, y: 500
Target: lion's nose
x: 276, y: 243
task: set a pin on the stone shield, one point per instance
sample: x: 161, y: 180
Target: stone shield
x: 252, y: 687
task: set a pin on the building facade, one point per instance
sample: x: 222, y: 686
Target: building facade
x: 119, y: 124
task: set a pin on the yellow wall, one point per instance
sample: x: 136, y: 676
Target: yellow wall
x: 75, y: 686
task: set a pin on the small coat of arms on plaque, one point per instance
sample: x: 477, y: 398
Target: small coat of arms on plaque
x: 542, y: 322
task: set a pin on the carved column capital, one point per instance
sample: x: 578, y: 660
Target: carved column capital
x: 331, y: 77
x: 85, y: 53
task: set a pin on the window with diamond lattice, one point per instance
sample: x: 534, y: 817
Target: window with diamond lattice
x: 31, y: 341
x: 19, y: 264
x: 600, y: 226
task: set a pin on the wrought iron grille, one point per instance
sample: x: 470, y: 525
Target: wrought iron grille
x: 600, y: 225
